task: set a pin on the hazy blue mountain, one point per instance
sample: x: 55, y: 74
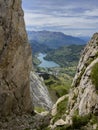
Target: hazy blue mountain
x: 85, y: 38
x: 53, y: 39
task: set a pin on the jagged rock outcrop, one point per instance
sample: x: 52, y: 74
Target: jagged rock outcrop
x: 81, y: 111
x: 39, y: 92
x: 84, y: 90
x: 15, y: 60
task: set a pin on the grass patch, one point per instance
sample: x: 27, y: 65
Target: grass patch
x: 61, y: 109
x: 60, y: 128
x: 80, y: 121
x: 94, y: 119
x: 94, y: 75
x: 58, y: 86
x: 39, y: 109
x: 47, y: 128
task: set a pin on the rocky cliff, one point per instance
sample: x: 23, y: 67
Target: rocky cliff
x: 15, y: 60
x: 85, y: 89
x: 40, y: 95
x: 80, y: 110
x: 16, y: 107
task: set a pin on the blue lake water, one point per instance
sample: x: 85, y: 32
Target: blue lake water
x: 45, y: 63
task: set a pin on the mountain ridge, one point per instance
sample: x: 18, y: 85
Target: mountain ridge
x: 53, y: 39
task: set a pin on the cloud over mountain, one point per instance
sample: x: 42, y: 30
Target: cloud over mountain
x: 71, y: 17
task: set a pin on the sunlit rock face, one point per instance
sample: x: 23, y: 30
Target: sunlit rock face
x: 82, y: 100
x: 83, y: 97
x: 84, y: 92
x: 40, y: 95
x: 15, y: 60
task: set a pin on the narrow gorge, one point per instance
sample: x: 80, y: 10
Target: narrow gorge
x: 22, y: 90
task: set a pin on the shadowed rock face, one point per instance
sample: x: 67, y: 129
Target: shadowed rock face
x: 15, y: 60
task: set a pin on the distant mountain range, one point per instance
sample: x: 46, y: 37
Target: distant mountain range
x: 53, y: 39
x: 85, y: 38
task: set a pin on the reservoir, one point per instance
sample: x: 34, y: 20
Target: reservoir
x: 45, y: 63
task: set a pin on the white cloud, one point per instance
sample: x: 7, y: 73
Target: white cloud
x: 36, y: 19
x: 92, y: 12
x: 76, y: 18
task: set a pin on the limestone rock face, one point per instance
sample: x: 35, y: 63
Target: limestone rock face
x: 15, y: 60
x: 39, y: 92
x: 83, y: 96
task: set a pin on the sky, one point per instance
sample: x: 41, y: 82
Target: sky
x: 72, y: 17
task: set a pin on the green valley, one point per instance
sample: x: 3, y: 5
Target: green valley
x: 59, y: 79
x: 58, y: 83
x: 66, y: 56
x: 60, y: 49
